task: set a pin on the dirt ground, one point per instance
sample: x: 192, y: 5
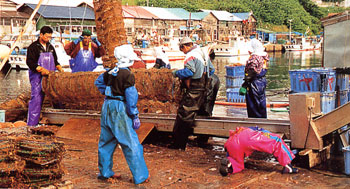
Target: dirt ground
x: 196, y: 167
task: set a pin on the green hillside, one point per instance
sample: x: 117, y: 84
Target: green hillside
x: 271, y: 14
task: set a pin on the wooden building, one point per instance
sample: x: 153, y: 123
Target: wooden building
x: 12, y: 21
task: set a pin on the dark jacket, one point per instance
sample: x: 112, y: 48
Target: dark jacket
x: 33, y: 54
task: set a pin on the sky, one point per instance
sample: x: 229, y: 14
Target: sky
x: 55, y: 2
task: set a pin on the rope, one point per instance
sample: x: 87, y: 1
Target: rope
x: 70, y: 24
x: 83, y: 15
x: 42, y: 11
x: 308, y: 129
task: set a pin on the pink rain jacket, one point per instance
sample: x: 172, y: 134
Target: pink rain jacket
x: 243, y: 141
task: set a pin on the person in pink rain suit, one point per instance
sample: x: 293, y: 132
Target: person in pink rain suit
x: 244, y: 141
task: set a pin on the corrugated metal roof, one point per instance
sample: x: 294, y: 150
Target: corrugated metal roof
x: 180, y: 13
x: 127, y: 15
x: 199, y: 15
x: 139, y: 12
x: 223, y: 15
x: 49, y: 11
x: 14, y: 14
x: 69, y: 3
x: 243, y: 15
x: 163, y: 13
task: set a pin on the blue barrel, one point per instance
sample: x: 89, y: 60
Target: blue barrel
x: 144, y: 43
x: 327, y: 101
x: 346, y: 151
x: 342, y: 81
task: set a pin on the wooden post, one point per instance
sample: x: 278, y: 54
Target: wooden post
x: 20, y: 35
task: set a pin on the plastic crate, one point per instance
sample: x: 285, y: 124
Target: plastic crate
x: 311, y: 80
x: 343, y: 97
x: 327, y: 79
x: 234, y: 82
x: 235, y: 71
x: 232, y: 95
x: 342, y: 81
x: 327, y: 101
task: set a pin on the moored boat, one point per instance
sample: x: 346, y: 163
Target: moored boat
x: 237, y: 46
x: 303, y: 44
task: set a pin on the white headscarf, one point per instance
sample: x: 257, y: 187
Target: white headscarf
x: 257, y: 47
x: 125, y: 55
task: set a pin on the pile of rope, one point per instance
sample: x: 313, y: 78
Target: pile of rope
x: 159, y: 91
x: 30, y: 160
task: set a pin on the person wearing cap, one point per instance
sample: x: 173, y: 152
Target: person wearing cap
x: 195, y: 82
x: 119, y: 118
x: 255, y: 81
x: 41, y: 60
x: 243, y: 141
x: 83, y: 52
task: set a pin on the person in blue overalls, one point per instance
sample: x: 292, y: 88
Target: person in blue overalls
x: 41, y: 59
x: 119, y: 118
x: 83, y: 52
x: 255, y: 80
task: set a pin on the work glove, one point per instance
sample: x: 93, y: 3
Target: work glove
x: 78, y: 40
x: 94, y: 39
x: 242, y: 91
x: 136, y: 123
x: 59, y: 68
x: 174, y: 73
x: 42, y: 70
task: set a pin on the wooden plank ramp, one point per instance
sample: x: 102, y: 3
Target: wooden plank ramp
x: 88, y: 130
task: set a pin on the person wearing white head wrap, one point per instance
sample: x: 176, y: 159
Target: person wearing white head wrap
x: 125, y: 55
x: 119, y: 118
x: 255, y: 81
x: 162, y: 60
x: 257, y: 47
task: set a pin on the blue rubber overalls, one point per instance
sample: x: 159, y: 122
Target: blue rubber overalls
x: 84, y: 61
x: 116, y: 128
x: 46, y: 61
x: 255, y: 97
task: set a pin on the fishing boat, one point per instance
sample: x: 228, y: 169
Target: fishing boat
x: 148, y: 56
x: 236, y: 46
x: 303, y: 44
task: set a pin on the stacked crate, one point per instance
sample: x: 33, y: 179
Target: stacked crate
x: 313, y: 80
x: 343, y: 86
x: 234, y: 80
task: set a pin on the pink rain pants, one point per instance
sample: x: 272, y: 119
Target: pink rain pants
x: 244, y: 141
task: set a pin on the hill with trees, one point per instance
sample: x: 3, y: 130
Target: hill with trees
x: 304, y: 15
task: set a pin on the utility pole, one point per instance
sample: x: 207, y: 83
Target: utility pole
x: 290, y: 30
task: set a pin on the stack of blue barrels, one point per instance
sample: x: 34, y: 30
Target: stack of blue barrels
x: 234, y: 80
x: 313, y: 80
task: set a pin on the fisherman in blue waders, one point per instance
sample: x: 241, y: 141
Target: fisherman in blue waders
x: 83, y: 52
x: 255, y: 81
x: 41, y: 59
x: 119, y: 118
